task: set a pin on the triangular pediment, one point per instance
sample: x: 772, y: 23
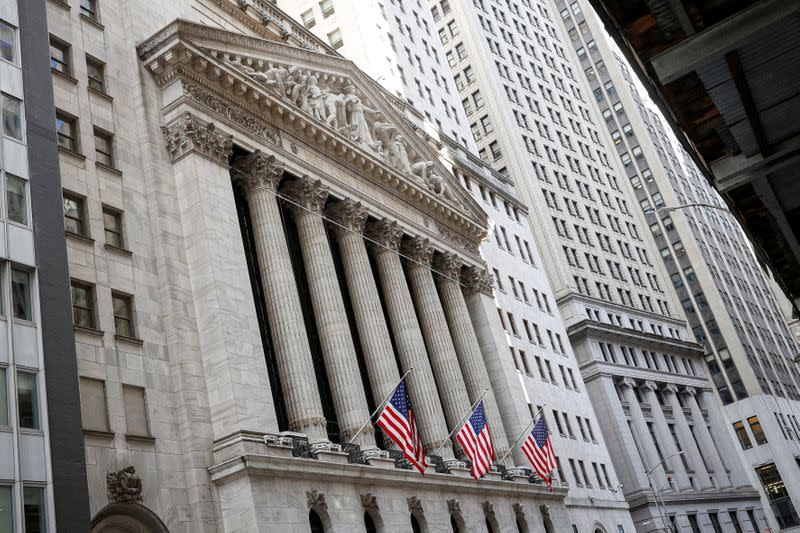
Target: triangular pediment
x: 338, y: 98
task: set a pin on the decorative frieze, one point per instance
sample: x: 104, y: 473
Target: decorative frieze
x: 478, y: 280
x: 258, y: 171
x: 189, y: 133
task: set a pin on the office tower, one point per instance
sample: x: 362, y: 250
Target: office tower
x: 730, y: 304
x: 532, y: 118
x: 43, y: 480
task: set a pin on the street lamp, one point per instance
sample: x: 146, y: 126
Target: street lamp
x: 660, y: 505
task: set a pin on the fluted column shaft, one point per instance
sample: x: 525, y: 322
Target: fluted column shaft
x: 642, y: 434
x: 706, y: 441
x: 260, y: 176
x: 373, y: 331
x: 693, y: 453
x: 442, y: 353
x: 341, y: 361
x: 408, y: 338
x: 466, y: 344
x: 668, y: 447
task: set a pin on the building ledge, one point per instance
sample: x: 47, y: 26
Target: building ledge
x: 78, y: 237
x: 609, y: 332
x: 118, y: 250
x: 98, y: 433
x: 100, y: 94
x: 62, y: 4
x: 141, y: 438
x: 112, y: 170
x: 64, y: 75
x: 93, y: 22
x: 89, y: 331
x: 128, y: 340
x: 71, y: 153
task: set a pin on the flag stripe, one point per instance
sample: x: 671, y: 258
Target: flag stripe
x: 475, y: 439
x: 397, y: 421
x: 538, y: 448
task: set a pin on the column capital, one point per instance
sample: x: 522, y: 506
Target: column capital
x: 628, y: 382
x: 190, y: 134
x: 418, y: 249
x: 690, y: 390
x: 387, y: 233
x: 258, y: 171
x: 448, y: 264
x: 308, y: 193
x: 650, y: 385
x: 671, y: 387
x: 349, y: 213
x: 478, y: 280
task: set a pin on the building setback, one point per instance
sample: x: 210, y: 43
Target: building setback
x: 532, y: 119
x: 729, y: 302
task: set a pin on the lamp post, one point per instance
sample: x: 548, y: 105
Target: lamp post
x: 660, y: 505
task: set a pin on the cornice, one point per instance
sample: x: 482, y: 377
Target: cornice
x: 590, y: 328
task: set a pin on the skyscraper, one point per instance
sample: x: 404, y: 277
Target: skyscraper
x: 729, y: 302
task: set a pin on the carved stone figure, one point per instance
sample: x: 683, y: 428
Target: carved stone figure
x: 399, y: 156
x: 334, y: 109
x: 315, y: 102
x: 356, y: 109
x: 124, y: 486
x: 439, y: 186
x: 274, y: 78
x: 421, y: 168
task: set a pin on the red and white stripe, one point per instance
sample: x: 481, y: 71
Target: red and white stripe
x: 478, y: 447
x: 542, y: 459
x: 404, y: 433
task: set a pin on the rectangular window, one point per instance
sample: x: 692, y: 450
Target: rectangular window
x: 308, y: 19
x: 123, y: 314
x: 75, y: 214
x: 94, y: 409
x: 335, y: 39
x: 8, y: 42
x: 135, y: 411
x: 34, y: 512
x: 16, y: 199
x: 83, y: 314
x: 21, y: 294
x: 67, y: 131
x: 326, y: 6
x: 12, y: 117
x: 27, y: 400
x: 104, y: 147
x: 741, y: 433
x: 779, y: 498
x: 96, y: 74
x: 758, y: 432
x: 6, y: 509
x: 3, y: 404
x: 59, y: 56
x: 112, y: 224
x: 89, y: 9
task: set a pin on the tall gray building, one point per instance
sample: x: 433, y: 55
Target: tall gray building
x: 729, y: 302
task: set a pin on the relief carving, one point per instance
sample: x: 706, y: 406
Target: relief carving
x: 188, y: 133
x: 387, y: 233
x: 258, y: 171
x: 351, y: 215
x: 478, y: 280
x: 124, y: 486
x: 306, y: 193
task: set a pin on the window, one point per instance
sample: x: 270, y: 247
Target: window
x: 335, y: 38
x: 96, y: 73
x: 89, y: 9
x: 75, y: 215
x: 12, y: 117
x: 123, y: 314
x: 34, y: 514
x: 308, y: 19
x: 758, y: 431
x: 741, y: 433
x: 16, y: 200
x: 326, y: 6
x: 112, y: 224
x: 83, y: 314
x: 67, y: 131
x: 8, y: 42
x: 6, y: 506
x: 94, y: 410
x: 59, y: 56
x: 3, y: 410
x: 103, y: 147
x: 21, y: 294
x: 135, y: 411
x: 779, y: 498
x: 27, y: 400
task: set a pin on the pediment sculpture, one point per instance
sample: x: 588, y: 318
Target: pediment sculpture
x: 339, y: 104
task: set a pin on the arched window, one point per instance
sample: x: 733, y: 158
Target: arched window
x: 316, y: 522
x: 489, y: 526
x: 522, y: 526
x: 454, y: 524
x: 415, y: 528
x: 369, y: 523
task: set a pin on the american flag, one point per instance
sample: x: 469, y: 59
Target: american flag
x: 397, y: 420
x: 538, y: 447
x: 476, y: 440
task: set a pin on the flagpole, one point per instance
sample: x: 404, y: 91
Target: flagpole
x: 382, y: 404
x: 524, y: 431
x: 474, y: 405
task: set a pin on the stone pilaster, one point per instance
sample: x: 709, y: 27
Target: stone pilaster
x: 693, y: 454
x: 651, y: 459
x: 341, y: 361
x: 452, y: 390
x: 408, y: 337
x: 260, y: 175
x: 668, y: 447
x: 707, y: 440
x: 370, y: 321
x: 476, y: 378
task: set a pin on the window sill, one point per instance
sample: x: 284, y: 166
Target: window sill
x: 100, y: 94
x: 129, y: 340
x: 71, y: 153
x: 107, y: 168
x: 93, y: 22
x: 141, y: 438
x: 64, y: 75
x: 79, y: 237
x: 62, y: 4
x: 98, y: 433
x: 118, y: 250
x: 88, y: 330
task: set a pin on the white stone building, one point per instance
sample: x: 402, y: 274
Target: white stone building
x: 731, y: 306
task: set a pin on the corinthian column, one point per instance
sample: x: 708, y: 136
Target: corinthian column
x: 661, y: 429
x: 442, y: 353
x: 642, y: 435
x: 693, y: 454
x: 705, y: 439
x: 341, y: 362
x: 408, y: 337
x: 476, y: 378
x: 259, y: 176
x: 372, y: 329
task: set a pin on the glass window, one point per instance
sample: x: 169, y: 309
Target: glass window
x: 82, y: 304
x: 12, y: 117
x: 59, y: 56
x: 104, y: 147
x: 123, y: 314
x: 326, y: 6
x: 89, y: 9
x: 21, y: 294
x: 3, y: 404
x: 67, y: 131
x: 94, y: 411
x: 16, y: 199
x: 96, y: 73
x: 75, y: 215
x: 758, y: 431
x: 34, y: 517
x: 6, y: 510
x: 135, y: 411
x: 335, y: 39
x: 8, y: 42
x: 741, y: 433
x: 779, y: 498
x: 112, y: 223
x: 308, y: 19
x: 27, y: 400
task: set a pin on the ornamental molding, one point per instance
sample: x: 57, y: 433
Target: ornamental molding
x: 306, y: 194
x: 386, y: 233
x: 418, y: 249
x: 448, y: 265
x: 188, y: 134
x: 519, y: 510
x: 258, y: 171
x: 488, y: 509
x: 479, y: 280
x: 316, y: 499
x: 414, y: 504
x: 369, y: 502
x: 454, y: 507
x: 349, y: 214
x: 124, y: 486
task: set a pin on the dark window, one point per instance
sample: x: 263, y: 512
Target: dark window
x: 75, y: 215
x: 96, y: 73
x: 316, y: 522
x: 779, y: 498
x: 8, y: 42
x: 369, y: 523
x: 82, y: 304
x: 112, y: 225
x: 34, y: 514
x: 67, y: 131
x: 123, y: 314
x: 104, y: 147
x: 59, y: 56
x: 737, y: 526
x: 89, y: 9
x: 21, y: 294
x: 758, y: 431
x: 27, y: 400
